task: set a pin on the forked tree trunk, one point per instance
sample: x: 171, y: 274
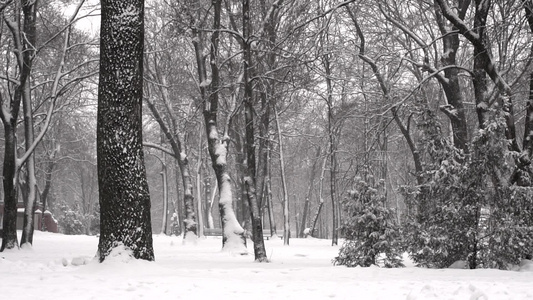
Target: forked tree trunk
x: 233, y: 234
x: 189, y: 220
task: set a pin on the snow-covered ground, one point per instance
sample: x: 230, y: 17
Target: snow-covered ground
x: 61, y: 267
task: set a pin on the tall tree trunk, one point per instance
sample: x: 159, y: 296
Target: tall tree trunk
x: 332, y: 147
x: 286, y: 220
x: 313, y: 229
x: 10, y: 110
x: 310, y: 187
x: 10, y: 181
x: 483, y: 60
x: 165, y: 199
x: 271, y: 219
x: 189, y: 220
x: 47, y: 186
x: 199, y: 198
x: 179, y: 202
x: 528, y: 123
x: 191, y: 227
x: 211, y: 201
x: 29, y: 9
x: 455, y: 109
x: 123, y: 188
x: 251, y: 170
x: 233, y: 234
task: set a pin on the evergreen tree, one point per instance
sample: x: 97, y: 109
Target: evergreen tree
x: 371, y: 231
x: 470, y: 212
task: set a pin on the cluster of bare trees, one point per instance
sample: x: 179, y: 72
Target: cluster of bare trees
x: 269, y: 108
x: 44, y: 67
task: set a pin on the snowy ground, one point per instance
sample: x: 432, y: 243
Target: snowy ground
x: 61, y: 267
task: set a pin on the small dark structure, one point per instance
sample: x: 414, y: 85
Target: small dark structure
x: 50, y: 224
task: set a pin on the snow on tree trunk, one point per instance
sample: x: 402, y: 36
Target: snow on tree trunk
x: 191, y: 227
x: 123, y: 188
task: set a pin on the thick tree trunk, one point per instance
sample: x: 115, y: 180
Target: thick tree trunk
x: 123, y: 188
x: 455, y: 109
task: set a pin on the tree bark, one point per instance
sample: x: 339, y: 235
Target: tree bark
x: 528, y: 126
x: 123, y: 188
x: 313, y: 231
x: 233, y: 234
x: 165, y: 199
x: 332, y: 148
x: 286, y: 219
x: 189, y: 221
x: 29, y: 9
x: 310, y: 187
x: 10, y: 181
x: 451, y: 86
x: 251, y: 170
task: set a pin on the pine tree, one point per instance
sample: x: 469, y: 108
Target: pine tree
x: 371, y: 231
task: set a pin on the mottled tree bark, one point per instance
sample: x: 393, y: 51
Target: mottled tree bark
x: 123, y: 188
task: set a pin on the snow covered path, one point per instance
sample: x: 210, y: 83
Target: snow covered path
x: 61, y: 267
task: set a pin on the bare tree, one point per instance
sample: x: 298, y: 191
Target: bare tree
x: 233, y: 234
x: 22, y: 25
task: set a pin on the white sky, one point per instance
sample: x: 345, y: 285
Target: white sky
x: 89, y: 15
